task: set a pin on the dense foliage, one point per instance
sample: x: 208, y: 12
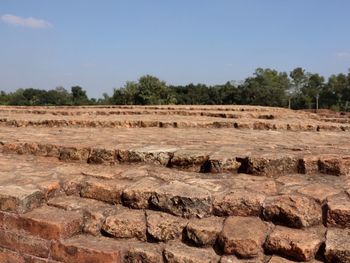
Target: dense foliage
x: 267, y: 87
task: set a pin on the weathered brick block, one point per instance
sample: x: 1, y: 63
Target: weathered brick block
x: 338, y: 245
x: 243, y: 236
x: 301, y: 245
x: 104, y: 190
x: 87, y: 249
x: 26, y: 244
x: 292, y: 210
x: 204, y: 232
x: 50, y: 223
x: 338, y: 211
x: 126, y: 224
x: 139, y: 193
x: 164, y: 227
x: 93, y: 211
x: 178, y: 252
x: 183, y: 199
x: 9, y: 256
x: 144, y: 252
x: 20, y: 199
x: 238, y: 202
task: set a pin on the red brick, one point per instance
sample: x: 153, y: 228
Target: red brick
x: 127, y: 223
x: 8, y: 256
x: 24, y: 243
x: 20, y: 199
x: 50, y: 223
x: 338, y: 211
x: 87, y: 249
x: 104, y: 190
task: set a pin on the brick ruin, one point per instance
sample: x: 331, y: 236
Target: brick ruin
x: 186, y: 184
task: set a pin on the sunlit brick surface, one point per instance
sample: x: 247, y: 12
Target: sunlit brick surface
x: 173, y: 184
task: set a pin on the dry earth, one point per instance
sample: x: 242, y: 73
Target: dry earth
x: 186, y: 184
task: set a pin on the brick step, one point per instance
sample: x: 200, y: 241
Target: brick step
x: 259, y: 118
x: 105, y: 250
x: 204, y: 161
x: 250, y: 124
x: 297, y: 200
x: 242, y: 239
x: 245, y: 237
x: 225, y: 217
x: 68, y: 215
x: 22, y: 246
x: 288, y: 245
x: 293, y: 205
x: 105, y: 112
x: 45, y: 222
x: 10, y: 256
x: 100, y: 249
x: 224, y: 108
x: 336, y: 120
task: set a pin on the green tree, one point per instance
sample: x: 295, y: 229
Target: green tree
x: 313, y: 89
x: 79, y: 96
x: 57, y: 96
x: 17, y: 98
x: 4, y: 98
x: 34, y: 97
x: 127, y: 95
x: 229, y: 94
x: 105, y: 100
x: 298, y: 81
x: 118, y: 97
x: 151, y: 90
x: 346, y: 93
x: 267, y: 88
x: 131, y: 92
x: 340, y: 86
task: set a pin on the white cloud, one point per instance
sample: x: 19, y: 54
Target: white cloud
x: 343, y: 55
x: 25, y: 22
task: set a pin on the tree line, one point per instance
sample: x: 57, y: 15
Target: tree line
x: 297, y: 89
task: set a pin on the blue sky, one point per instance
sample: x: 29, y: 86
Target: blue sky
x: 101, y: 44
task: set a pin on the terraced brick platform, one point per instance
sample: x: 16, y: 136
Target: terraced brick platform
x: 76, y: 188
